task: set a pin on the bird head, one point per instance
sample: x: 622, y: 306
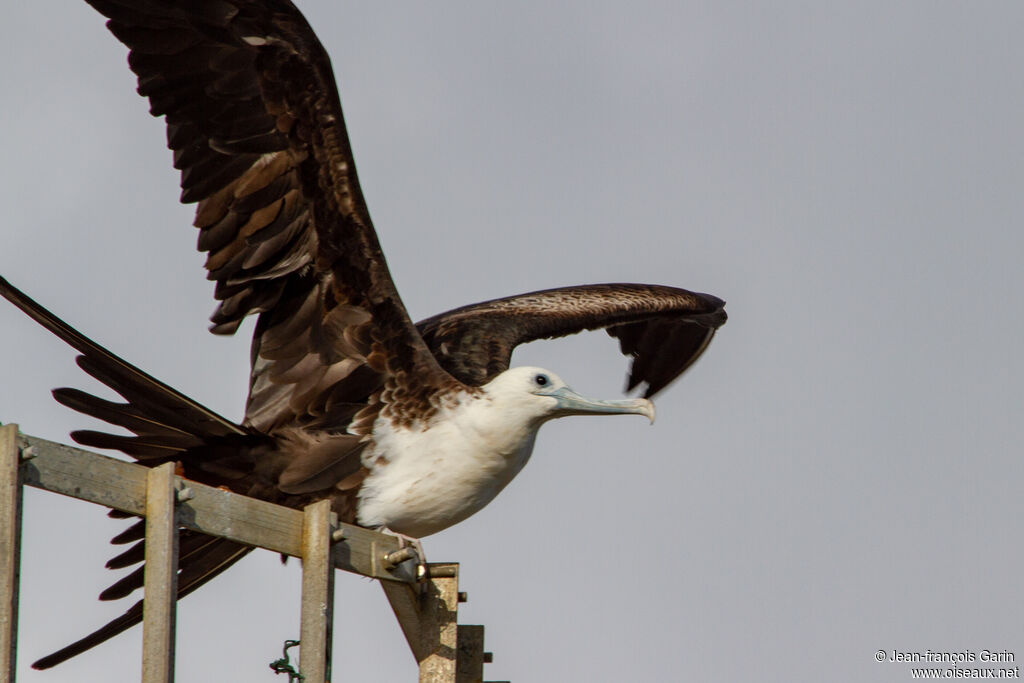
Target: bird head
x: 540, y: 395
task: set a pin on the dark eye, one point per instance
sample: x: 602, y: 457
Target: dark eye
x: 541, y: 380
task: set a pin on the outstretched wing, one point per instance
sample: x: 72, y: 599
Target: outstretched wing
x: 256, y: 126
x: 663, y: 329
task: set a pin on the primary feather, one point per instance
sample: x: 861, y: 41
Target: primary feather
x: 344, y: 388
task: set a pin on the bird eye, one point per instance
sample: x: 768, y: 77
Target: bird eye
x: 541, y: 380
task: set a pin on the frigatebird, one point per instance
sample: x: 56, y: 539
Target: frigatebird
x: 407, y: 428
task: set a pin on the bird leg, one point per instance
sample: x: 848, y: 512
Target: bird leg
x: 409, y: 548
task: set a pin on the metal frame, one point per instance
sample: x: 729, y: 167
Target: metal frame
x: 425, y: 599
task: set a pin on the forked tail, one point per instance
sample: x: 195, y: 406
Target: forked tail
x: 168, y: 427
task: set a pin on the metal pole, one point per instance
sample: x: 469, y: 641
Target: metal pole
x: 317, y: 594
x: 161, y: 576
x: 10, y: 546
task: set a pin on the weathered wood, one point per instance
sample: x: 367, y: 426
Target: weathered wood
x: 10, y: 547
x: 470, y: 664
x: 405, y: 603
x: 239, y: 518
x: 408, y: 602
x: 86, y: 475
x: 317, y: 594
x: 122, y: 485
x: 439, y: 624
x: 362, y: 551
x: 427, y: 611
x: 161, y: 576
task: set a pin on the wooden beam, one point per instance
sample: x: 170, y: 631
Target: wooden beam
x: 427, y: 616
x: 96, y: 478
x: 122, y: 485
x: 10, y: 547
x: 470, y: 663
x: 405, y: 603
x: 317, y: 594
x: 427, y: 610
x: 439, y: 624
x: 161, y: 576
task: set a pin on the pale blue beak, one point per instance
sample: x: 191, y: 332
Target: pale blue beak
x: 571, y: 403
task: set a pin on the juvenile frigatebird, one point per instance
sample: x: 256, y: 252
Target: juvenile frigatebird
x: 410, y: 428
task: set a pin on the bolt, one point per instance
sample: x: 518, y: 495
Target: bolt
x: 488, y: 657
x: 338, y: 535
x: 28, y: 452
x: 463, y: 596
x: 398, y: 557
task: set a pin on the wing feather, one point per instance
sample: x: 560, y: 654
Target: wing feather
x: 210, y: 563
x: 256, y: 127
x: 663, y: 329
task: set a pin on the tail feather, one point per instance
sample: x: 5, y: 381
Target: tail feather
x: 167, y: 426
x: 124, y: 586
x: 120, y: 414
x: 134, y: 555
x: 221, y: 555
x: 136, y: 532
x: 191, y: 544
x: 143, y: 448
x: 155, y: 399
x: 142, y: 390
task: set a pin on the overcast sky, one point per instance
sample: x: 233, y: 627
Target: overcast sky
x: 841, y: 472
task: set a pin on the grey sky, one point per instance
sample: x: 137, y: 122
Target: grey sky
x: 839, y: 474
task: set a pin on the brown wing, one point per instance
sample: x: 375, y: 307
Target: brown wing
x: 198, y: 566
x: 664, y: 329
x: 256, y: 126
x: 168, y: 426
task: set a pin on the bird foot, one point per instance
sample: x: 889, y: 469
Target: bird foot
x: 409, y: 549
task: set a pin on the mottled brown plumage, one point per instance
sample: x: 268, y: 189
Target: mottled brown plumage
x: 256, y: 128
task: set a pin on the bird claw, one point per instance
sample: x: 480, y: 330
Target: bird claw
x: 409, y: 548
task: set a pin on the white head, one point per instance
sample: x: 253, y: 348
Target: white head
x: 537, y: 395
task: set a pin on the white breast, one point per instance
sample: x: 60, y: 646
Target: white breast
x: 424, y: 480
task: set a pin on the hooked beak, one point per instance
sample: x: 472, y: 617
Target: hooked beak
x: 571, y: 403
